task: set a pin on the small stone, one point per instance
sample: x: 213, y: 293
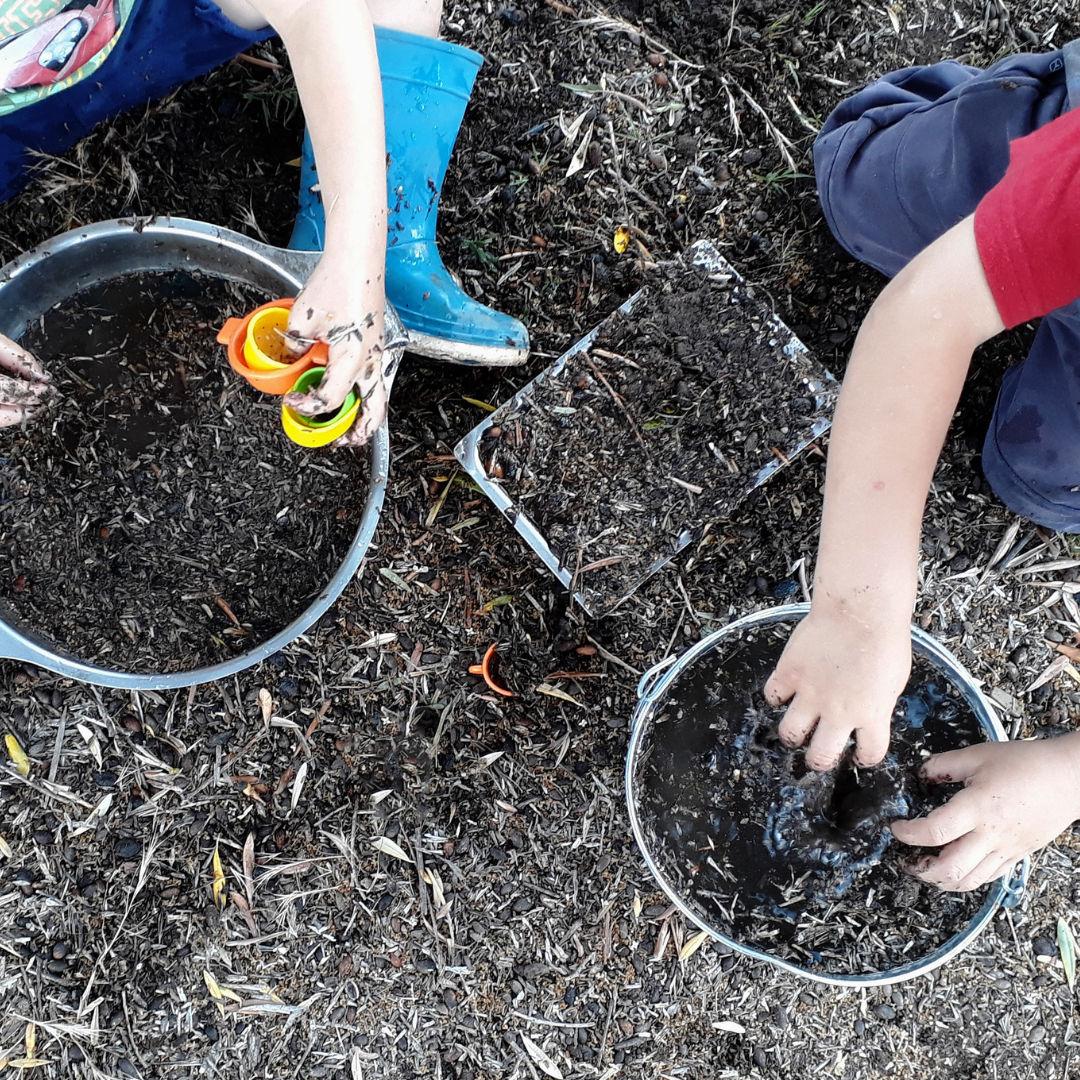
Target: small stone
x: 884, y: 1012
x: 105, y: 779
x: 1043, y: 947
x: 129, y: 849
x: 595, y: 154
x: 761, y: 216
x: 60, y: 950
x: 751, y: 157
x: 657, y: 59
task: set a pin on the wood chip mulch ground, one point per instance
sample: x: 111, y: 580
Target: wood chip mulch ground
x: 422, y: 879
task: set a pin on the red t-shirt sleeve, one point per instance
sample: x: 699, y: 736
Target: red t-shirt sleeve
x: 1028, y: 227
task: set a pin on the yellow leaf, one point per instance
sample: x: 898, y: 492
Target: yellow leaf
x: 296, y: 162
x: 491, y: 605
x: 219, y: 882
x: 622, y: 239
x: 18, y: 758
x: 31, y: 1040
x: 27, y: 1063
x: 219, y: 993
x: 478, y: 403
x: 693, y: 944
x: 5, y: 849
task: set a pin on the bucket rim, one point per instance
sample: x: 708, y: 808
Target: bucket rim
x: 1006, y: 891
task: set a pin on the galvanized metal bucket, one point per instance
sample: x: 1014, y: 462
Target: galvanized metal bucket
x: 652, y: 691
x: 33, y: 283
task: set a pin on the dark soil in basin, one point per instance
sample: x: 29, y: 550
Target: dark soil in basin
x: 159, y: 519
x: 798, y: 864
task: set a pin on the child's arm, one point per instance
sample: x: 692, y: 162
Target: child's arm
x: 1018, y: 796
x: 331, y: 45
x: 848, y: 660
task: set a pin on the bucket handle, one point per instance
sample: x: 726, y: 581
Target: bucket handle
x: 1015, y: 884
x: 645, y: 684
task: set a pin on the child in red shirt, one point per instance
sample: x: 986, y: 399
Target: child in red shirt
x: 964, y: 186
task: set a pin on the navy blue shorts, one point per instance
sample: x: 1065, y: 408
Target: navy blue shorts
x: 904, y: 160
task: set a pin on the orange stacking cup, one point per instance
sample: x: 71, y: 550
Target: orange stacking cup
x: 257, y: 349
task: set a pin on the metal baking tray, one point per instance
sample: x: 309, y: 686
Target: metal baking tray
x: 705, y: 255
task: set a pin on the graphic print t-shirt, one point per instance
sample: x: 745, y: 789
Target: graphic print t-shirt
x: 48, y: 45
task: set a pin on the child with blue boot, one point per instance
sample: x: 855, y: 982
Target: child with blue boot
x: 65, y: 65
x: 963, y: 186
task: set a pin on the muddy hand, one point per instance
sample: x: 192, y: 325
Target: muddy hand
x: 842, y: 680
x: 1017, y: 797
x: 356, y: 359
x: 31, y: 387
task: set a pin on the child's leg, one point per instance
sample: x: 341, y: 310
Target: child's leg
x: 1032, y: 451
x: 413, y: 16
x: 911, y: 155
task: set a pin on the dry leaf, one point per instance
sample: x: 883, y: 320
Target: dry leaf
x: 298, y: 783
x: 249, y: 867
x: 730, y: 1026
x: 266, y: 703
x: 545, y: 1063
x: 693, y: 944
x: 219, y: 882
x: 622, y: 239
x: 378, y: 796
x: 5, y: 849
x: 636, y: 905
x: 18, y: 759
x: 577, y: 162
x: 554, y: 691
x: 388, y: 847
x: 220, y: 993
x: 1067, y: 948
x: 1057, y: 666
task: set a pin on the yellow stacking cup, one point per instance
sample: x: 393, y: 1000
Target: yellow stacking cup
x: 264, y: 346
x: 303, y: 430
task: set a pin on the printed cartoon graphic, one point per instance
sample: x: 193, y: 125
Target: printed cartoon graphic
x: 48, y: 52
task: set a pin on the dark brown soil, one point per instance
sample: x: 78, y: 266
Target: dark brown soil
x: 160, y: 520
x: 800, y: 865
x: 661, y: 428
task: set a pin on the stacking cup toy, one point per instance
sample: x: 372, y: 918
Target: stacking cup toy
x: 486, y: 670
x: 305, y: 430
x: 256, y: 346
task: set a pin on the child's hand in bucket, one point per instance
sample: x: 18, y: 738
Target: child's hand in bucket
x: 349, y: 318
x: 26, y: 389
x: 842, y: 678
x: 1017, y: 797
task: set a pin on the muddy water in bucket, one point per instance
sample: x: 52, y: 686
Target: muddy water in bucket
x: 158, y: 519
x: 797, y: 864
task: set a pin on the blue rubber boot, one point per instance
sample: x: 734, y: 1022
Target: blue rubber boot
x: 426, y: 87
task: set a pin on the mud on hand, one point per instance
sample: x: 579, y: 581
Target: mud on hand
x: 26, y: 389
